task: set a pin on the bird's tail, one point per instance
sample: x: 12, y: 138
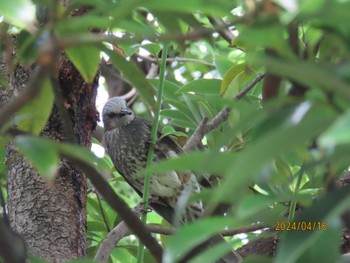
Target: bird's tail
x: 185, y: 211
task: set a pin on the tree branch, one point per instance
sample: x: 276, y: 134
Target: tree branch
x: 109, y: 242
x: 230, y: 232
x: 113, y: 237
x: 206, y: 127
x: 222, y: 29
x: 118, y: 204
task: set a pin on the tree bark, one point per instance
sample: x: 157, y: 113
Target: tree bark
x: 51, y: 217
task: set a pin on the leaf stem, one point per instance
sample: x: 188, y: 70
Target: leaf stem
x: 293, y: 203
x: 150, y: 156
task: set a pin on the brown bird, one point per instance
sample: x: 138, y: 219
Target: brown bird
x: 128, y: 139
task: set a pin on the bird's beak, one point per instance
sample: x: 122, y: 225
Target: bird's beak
x: 125, y: 111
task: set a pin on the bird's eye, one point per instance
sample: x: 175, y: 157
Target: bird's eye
x: 112, y: 115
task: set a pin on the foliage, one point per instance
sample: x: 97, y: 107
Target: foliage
x: 272, y: 154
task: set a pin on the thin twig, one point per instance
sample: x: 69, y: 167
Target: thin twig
x: 205, y: 127
x: 250, y: 85
x: 103, y: 213
x: 222, y: 29
x: 150, y: 156
x: 176, y: 59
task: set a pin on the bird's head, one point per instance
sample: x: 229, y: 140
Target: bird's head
x: 116, y: 113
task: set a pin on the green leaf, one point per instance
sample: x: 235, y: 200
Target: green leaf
x: 188, y: 236
x: 41, y: 153
x: 193, y: 107
x: 230, y: 75
x: 152, y: 48
x: 205, y: 108
x: 170, y: 21
x: 20, y: 13
x: 184, y: 124
x: 214, y: 253
x: 176, y: 115
x: 34, y: 259
x: 27, y: 45
x: 83, y: 154
x: 223, y: 64
x: 267, y: 35
x: 210, y: 162
x: 311, y: 6
x: 283, y: 167
x: 34, y: 115
x: 307, y: 73
x: 321, y: 250
x: 167, y: 130
x: 270, y: 144
x: 205, y: 86
x: 86, y: 59
x: 180, y: 105
x: 170, y: 89
x: 44, y: 154
x: 133, y: 251
x: 239, y: 82
x: 258, y: 259
x: 141, y: 29
x: 327, y: 210
x: 120, y: 254
x: 218, y: 7
x: 253, y: 205
x: 80, y: 24
x: 338, y: 133
x: 96, y: 226
x: 133, y: 75
x: 93, y: 204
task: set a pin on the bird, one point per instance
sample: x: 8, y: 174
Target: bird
x: 128, y: 139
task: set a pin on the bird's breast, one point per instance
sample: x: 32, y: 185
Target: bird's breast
x: 127, y: 147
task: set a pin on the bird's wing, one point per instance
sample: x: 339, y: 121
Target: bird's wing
x: 173, y: 146
x: 166, y: 147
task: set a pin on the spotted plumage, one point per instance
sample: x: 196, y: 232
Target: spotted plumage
x: 128, y: 139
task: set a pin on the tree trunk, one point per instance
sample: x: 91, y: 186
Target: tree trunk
x: 51, y: 217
